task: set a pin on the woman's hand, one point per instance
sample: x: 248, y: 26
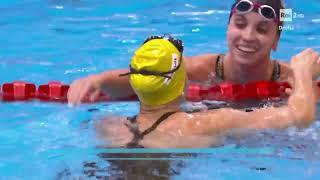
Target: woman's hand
x: 308, y: 61
x: 87, y: 88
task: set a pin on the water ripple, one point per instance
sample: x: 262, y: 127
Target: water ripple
x: 316, y: 20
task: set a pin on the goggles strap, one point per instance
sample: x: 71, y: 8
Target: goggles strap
x: 151, y: 73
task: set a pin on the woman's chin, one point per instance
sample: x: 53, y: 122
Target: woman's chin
x: 245, y: 58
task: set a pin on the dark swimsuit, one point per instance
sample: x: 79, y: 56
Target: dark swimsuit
x: 134, y: 129
x: 219, y: 69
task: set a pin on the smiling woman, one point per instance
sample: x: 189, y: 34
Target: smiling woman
x: 252, y: 33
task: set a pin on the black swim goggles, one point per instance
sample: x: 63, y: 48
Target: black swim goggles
x: 246, y: 6
x: 176, y: 42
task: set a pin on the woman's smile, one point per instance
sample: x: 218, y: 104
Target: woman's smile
x: 248, y: 49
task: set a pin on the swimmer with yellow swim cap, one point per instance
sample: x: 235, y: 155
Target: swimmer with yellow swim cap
x: 157, y: 75
x: 157, y: 72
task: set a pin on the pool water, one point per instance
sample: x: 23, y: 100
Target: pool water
x: 45, y: 40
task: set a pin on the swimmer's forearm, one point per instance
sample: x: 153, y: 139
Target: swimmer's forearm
x: 300, y: 111
x: 301, y: 107
x: 114, y: 85
x: 302, y: 103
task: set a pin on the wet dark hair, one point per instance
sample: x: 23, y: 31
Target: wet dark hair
x: 276, y: 4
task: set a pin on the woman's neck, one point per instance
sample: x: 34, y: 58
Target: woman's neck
x: 243, y: 73
x: 152, y: 113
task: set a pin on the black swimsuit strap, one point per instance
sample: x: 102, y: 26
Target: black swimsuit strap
x: 219, y: 70
x: 134, y: 129
x: 156, y: 124
x: 276, y: 72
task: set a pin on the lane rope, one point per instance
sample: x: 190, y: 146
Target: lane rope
x: 57, y: 92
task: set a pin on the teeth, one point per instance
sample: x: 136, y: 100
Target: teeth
x: 247, y: 49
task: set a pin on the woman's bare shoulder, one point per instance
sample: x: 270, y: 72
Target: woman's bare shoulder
x: 198, y: 123
x: 200, y: 59
x: 199, y: 67
x: 114, y: 131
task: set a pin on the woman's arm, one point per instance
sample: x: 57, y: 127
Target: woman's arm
x: 91, y: 86
x: 198, y: 69
x: 300, y: 111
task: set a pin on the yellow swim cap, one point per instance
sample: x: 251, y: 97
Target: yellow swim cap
x: 158, y: 55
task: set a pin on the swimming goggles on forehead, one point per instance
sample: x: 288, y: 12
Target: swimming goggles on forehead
x: 176, y: 42
x: 246, y: 6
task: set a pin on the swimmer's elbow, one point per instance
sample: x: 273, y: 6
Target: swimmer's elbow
x: 306, y: 121
x: 303, y: 109
x: 304, y: 118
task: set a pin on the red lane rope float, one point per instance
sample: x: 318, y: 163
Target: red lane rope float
x: 18, y: 90
x: 57, y: 92
x: 237, y: 92
x: 53, y: 91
